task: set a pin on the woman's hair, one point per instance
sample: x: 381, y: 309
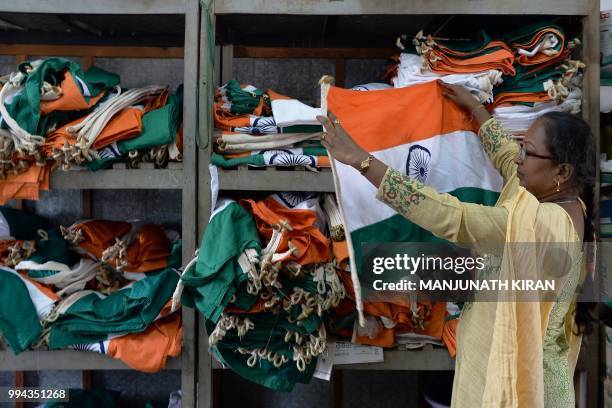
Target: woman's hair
x: 570, y: 140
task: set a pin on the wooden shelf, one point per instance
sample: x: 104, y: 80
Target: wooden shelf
x: 97, y: 6
x: 38, y: 360
x: 171, y: 178
x: 357, y: 7
x: 271, y: 179
x: 426, y: 359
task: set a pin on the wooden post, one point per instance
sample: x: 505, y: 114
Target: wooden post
x: 19, y: 382
x: 340, y: 72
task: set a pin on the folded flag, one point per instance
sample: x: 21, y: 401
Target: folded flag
x: 19, y: 316
x: 218, y: 274
x: 89, y: 317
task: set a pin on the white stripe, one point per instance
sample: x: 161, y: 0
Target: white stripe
x: 457, y: 160
x: 42, y: 302
x: 84, y: 87
x: 5, y: 229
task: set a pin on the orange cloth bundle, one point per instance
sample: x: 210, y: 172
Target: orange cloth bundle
x: 148, y: 351
x: 308, y: 242
x: 126, y: 124
x: 25, y: 186
x: 149, y: 251
x: 98, y: 235
x: 71, y: 99
x: 457, y: 57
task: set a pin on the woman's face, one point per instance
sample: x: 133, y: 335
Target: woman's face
x: 538, y: 175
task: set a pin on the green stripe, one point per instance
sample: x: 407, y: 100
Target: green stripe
x: 399, y: 229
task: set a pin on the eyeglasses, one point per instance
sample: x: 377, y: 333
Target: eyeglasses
x: 524, y: 153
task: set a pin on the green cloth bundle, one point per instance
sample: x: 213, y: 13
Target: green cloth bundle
x: 25, y: 107
x: 217, y: 275
x: 129, y: 310
x: 18, y: 317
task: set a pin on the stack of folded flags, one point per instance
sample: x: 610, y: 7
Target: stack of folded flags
x: 263, y: 128
x: 519, y: 77
x: 98, y: 285
x: 54, y: 114
x: 265, y: 280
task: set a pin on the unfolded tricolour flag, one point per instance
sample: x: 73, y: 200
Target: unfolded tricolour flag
x: 419, y: 132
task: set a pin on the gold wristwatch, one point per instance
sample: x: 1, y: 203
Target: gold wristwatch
x: 364, y: 166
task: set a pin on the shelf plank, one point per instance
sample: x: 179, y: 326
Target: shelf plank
x: 96, y: 6
x: 356, y: 7
x: 426, y: 359
x: 39, y: 360
x: 275, y: 180
x: 322, y: 53
x: 101, y: 51
x: 118, y: 179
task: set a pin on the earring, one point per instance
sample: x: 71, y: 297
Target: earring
x: 558, y: 189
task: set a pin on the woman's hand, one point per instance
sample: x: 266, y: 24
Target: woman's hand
x: 464, y: 99
x: 339, y: 144
x: 461, y: 96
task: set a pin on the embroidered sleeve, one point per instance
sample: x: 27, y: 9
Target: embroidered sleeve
x: 498, y: 145
x: 442, y: 214
x: 493, y: 136
x: 400, y: 191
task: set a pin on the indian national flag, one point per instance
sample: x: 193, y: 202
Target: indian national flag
x: 419, y: 132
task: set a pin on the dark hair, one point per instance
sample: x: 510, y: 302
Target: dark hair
x: 570, y: 140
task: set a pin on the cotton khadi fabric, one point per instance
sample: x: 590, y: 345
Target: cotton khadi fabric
x: 217, y: 274
x: 480, y: 84
x: 146, y: 351
x: 450, y: 56
x: 21, y: 225
x: 55, y: 115
x: 266, y: 282
x: 290, y: 112
x: 25, y: 107
x: 133, y: 248
x: 90, y: 316
x: 26, y: 185
x: 518, y: 118
x: 441, y: 151
x: 508, y: 353
x: 19, y: 322
x: 311, y: 157
x: 61, y: 295
x: 426, y: 137
x: 537, y: 43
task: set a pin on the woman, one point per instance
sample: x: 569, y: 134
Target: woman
x: 516, y: 354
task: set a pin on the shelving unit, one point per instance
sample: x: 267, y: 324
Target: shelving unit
x: 177, y: 176
x: 323, y: 30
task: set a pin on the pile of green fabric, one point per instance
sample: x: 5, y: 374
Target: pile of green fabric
x: 265, y: 319
x: 54, y: 293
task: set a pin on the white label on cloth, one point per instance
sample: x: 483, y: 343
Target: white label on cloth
x: 349, y: 353
x: 325, y: 362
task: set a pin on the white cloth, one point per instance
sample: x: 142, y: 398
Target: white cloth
x: 290, y: 112
x: 605, y: 99
x: 374, y: 86
x: 480, y: 84
x: 517, y: 118
x: 5, y: 229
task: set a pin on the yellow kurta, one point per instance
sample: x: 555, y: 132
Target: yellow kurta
x: 509, y: 354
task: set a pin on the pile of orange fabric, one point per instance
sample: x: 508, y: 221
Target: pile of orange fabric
x: 126, y: 247
x: 459, y: 57
x: 80, y: 295
x: 57, y: 115
x: 26, y: 185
